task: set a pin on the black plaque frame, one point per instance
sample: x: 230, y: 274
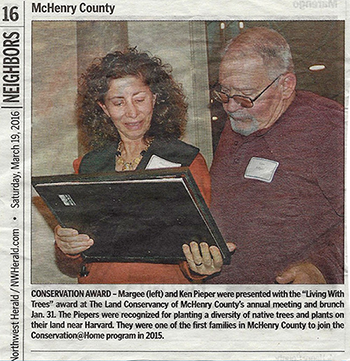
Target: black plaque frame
x: 139, y: 216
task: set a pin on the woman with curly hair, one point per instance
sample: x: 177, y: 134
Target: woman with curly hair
x: 132, y: 113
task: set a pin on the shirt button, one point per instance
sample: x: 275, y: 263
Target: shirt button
x: 236, y: 160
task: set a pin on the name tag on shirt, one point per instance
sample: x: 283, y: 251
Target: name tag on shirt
x: 261, y: 169
x: 157, y: 163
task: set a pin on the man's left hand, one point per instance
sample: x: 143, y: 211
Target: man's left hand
x: 301, y: 273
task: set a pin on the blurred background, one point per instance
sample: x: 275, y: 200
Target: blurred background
x: 61, y: 51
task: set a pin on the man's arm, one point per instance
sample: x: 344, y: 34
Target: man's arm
x: 301, y: 273
x: 325, y: 263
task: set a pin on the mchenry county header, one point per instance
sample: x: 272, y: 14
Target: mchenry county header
x: 71, y: 9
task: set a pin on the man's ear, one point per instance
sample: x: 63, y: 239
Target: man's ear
x: 289, y: 82
x: 104, y: 108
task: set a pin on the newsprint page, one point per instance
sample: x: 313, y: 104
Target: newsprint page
x: 95, y: 268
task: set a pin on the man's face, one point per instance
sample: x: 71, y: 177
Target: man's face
x: 248, y: 77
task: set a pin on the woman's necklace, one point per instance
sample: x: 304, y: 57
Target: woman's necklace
x: 135, y: 162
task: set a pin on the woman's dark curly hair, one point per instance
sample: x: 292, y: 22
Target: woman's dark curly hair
x: 169, y: 113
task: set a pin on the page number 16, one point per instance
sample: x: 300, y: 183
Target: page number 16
x: 10, y: 14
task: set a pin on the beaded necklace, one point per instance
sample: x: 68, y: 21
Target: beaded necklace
x: 135, y: 162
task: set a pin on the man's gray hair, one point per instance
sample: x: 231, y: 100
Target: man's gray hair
x: 271, y: 46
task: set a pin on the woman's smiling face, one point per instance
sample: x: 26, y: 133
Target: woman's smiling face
x: 129, y: 103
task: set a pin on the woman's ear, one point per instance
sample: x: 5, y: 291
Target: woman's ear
x: 104, y: 108
x: 289, y: 82
x: 154, y: 99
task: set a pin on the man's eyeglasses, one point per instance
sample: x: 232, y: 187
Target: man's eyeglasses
x: 243, y: 101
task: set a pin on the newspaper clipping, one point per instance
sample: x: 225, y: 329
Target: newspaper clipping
x: 173, y: 180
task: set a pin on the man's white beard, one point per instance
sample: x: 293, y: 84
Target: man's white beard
x: 238, y: 118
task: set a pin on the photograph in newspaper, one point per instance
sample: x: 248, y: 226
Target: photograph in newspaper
x: 212, y: 157
x: 131, y: 113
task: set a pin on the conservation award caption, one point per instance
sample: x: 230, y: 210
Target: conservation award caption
x: 151, y: 314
